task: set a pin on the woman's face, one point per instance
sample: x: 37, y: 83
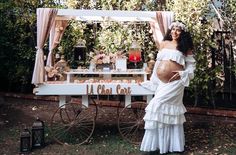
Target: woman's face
x: 175, y: 32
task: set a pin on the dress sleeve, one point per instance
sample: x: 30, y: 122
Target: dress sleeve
x: 188, y: 73
x: 153, y: 82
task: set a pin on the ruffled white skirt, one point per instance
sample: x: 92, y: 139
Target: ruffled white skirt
x: 167, y: 139
x: 164, y: 119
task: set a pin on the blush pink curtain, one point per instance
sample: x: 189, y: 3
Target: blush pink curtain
x: 160, y: 26
x: 56, y: 34
x: 45, y: 20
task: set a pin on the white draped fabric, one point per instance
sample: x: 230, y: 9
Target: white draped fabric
x: 45, y: 20
x: 56, y: 34
x: 164, y: 119
x: 159, y: 28
x: 167, y: 139
x: 164, y: 115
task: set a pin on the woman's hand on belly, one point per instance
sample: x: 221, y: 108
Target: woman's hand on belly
x: 176, y: 76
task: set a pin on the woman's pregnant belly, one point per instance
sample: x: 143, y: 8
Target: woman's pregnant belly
x: 166, y: 68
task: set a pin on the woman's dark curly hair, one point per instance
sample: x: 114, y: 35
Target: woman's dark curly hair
x: 184, y: 42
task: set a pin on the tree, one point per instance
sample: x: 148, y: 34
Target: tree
x: 17, y: 43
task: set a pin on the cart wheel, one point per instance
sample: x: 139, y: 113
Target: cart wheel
x: 130, y: 122
x: 73, y: 123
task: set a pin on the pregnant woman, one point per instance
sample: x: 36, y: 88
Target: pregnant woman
x: 173, y: 70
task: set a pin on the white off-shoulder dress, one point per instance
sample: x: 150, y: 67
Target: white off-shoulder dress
x: 164, y: 116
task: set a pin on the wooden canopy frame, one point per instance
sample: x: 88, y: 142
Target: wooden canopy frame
x: 46, y: 17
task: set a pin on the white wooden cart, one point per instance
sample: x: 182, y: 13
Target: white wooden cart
x: 75, y: 122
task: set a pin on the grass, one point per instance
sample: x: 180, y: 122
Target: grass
x: 205, y: 135
x: 105, y: 141
x: 112, y: 145
x: 220, y: 140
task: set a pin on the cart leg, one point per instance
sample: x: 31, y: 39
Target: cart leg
x: 85, y: 100
x: 127, y: 100
x: 62, y: 100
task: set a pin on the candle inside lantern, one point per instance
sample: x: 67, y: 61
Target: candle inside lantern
x: 135, y: 55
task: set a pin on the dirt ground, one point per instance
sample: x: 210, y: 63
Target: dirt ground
x: 205, y: 135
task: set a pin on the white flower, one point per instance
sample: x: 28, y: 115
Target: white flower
x: 106, y: 59
x: 60, y: 48
x: 150, y: 55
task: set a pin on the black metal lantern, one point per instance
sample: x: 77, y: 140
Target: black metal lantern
x: 79, y: 56
x: 25, y: 142
x: 38, y: 134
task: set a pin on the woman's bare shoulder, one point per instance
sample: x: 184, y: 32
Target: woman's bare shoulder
x: 167, y: 44
x: 163, y: 44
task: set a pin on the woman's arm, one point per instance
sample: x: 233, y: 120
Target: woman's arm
x: 153, y: 82
x: 188, y: 73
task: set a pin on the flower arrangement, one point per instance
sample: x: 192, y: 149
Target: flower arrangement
x: 57, y: 71
x: 53, y: 73
x: 99, y: 57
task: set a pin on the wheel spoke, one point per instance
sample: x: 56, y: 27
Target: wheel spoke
x: 130, y: 127
x: 73, y: 123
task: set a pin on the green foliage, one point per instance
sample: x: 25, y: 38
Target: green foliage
x: 17, y: 43
x: 73, y: 33
x: 113, y: 36
x: 229, y: 15
x: 18, y: 35
x: 114, y: 4
x: 107, y: 36
x: 192, y: 13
